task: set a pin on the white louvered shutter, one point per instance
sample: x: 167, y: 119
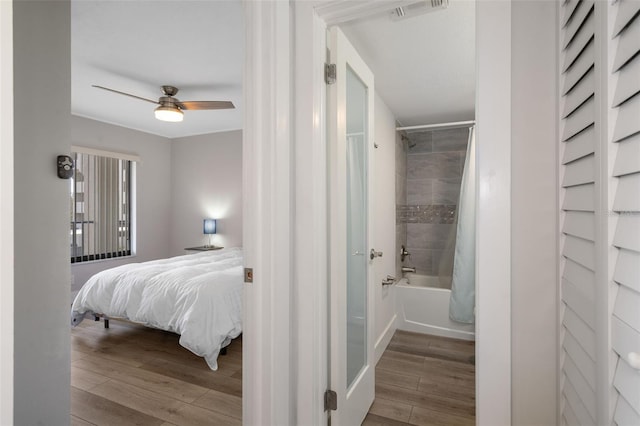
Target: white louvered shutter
x: 624, y: 88
x: 579, y: 138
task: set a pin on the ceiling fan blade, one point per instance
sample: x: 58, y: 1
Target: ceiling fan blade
x: 126, y: 94
x: 199, y: 105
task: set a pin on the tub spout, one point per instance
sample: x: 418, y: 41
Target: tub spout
x: 408, y: 269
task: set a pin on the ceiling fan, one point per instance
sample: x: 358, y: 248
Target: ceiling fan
x: 170, y: 108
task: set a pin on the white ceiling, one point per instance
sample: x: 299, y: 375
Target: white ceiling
x: 137, y: 46
x: 424, y: 66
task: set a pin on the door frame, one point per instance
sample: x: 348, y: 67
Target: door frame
x: 291, y: 126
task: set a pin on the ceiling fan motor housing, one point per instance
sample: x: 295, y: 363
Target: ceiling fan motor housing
x: 169, y: 90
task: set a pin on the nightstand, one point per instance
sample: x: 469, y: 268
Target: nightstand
x: 203, y: 248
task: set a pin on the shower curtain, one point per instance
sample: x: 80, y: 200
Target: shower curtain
x: 463, y: 285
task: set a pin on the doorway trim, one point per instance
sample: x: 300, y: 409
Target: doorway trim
x: 286, y: 324
x: 6, y: 213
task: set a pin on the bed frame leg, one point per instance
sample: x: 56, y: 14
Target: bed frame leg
x: 223, y: 351
x: 106, y: 323
x: 96, y: 318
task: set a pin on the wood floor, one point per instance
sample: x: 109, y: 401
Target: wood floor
x: 424, y: 380
x: 133, y: 375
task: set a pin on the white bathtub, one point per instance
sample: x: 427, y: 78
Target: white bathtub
x: 424, y: 308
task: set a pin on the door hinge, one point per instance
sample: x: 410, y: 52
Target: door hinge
x: 330, y: 73
x: 330, y: 400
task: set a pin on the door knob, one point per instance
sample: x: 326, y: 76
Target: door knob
x: 373, y: 254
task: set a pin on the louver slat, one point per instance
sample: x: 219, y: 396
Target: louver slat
x: 627, y: 10
x: 626, y: 308
x: 580, y: 251
x: 569, y: 416
x: 584, y: 418
x: 624, y: 339
x: 579, y: 146
x: 627, y: 234
x: 584, y: 8
x: 628, y: 120
x: 628, y: 156
x: 628, y: 46
x: 581, y: 40
x: 627, y: 271
x: 580, y: 198
x: 626, y: 381
x: 581, y: 359
x: 581, y: 305
x: 628, y: 194
x: 567, y: 10
x: 581, y: 277
x: 580, y: 383
x: 625, y: 415
x: 582, y: 65
x: 579, y: 172
x: 581, y: 332
x: 628, y: 83
x: 580, y: 224
x: 579, y: 94
x: 582, y: 118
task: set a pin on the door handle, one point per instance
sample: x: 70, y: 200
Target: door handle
x: 373, y: 254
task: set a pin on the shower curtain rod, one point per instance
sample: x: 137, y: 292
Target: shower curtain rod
x: 439, y: 125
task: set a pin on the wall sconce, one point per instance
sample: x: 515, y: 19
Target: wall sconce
x: 209, y: 228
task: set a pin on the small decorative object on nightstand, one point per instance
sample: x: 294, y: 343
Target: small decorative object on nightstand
x: 203, y: 248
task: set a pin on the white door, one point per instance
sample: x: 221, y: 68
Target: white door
x: 351, y: 319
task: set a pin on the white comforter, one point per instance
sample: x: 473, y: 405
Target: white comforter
x: 198, y: 296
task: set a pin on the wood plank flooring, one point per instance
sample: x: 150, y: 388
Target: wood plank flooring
x: 424, y: 380
x: 133, y: 375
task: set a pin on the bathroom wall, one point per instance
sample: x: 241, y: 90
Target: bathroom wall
x: 435, y: 160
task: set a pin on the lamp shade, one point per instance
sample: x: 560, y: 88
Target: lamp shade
x: 169, y: 113
x: 209, y: 226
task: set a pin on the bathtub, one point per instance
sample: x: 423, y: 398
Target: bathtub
x: 424, y: 308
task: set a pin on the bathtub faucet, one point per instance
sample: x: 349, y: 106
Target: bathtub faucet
x: 403, y: 253
x: 408, y: 269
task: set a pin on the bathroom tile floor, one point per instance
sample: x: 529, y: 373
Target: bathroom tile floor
x: 424, y: 380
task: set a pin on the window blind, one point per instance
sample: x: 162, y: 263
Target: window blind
x: 101, y: 207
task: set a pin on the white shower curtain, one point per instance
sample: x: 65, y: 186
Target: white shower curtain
x: 463, y: 285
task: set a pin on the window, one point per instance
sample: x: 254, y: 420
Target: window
x: 101, y: 206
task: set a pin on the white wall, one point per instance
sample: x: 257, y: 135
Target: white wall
x: 6, y: 212
x: 384, y: 223
x: 534, y: 323
x: 153, y: 189
x: 42, y: 91
x: 206, y: 182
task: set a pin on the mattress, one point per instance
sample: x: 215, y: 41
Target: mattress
x: 198, y: 296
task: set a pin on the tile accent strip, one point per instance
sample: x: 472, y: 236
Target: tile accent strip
x: 431, y: 213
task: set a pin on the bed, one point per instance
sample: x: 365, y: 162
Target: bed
x: 198, y: 296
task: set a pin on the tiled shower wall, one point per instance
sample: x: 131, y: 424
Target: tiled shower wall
x: 434, y: 164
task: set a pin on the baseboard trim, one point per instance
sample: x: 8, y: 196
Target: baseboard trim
x: 385, y: 338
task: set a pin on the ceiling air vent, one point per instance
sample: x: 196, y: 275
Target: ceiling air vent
x: 418, y: 8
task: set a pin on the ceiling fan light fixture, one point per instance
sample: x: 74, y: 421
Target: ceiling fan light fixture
x: 169, y: 113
